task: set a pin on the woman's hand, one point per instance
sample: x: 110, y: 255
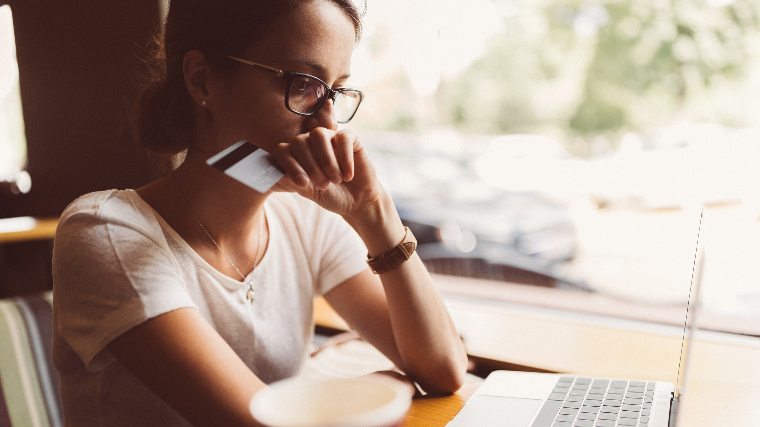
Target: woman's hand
x: 330, y: 168
x: 400, y: 311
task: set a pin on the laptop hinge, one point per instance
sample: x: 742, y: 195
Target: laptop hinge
x: 673, y: 411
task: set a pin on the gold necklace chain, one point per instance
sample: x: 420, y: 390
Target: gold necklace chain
x: 251, y: 293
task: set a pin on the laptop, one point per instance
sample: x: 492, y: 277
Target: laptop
x: 527, y: 399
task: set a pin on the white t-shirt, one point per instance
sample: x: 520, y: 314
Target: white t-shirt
x: 117, y: 263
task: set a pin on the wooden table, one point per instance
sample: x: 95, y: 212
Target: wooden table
x: 724, y: 373
x: 24, y: 229
x: 26, y: 245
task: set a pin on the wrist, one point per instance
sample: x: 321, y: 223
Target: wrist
x: 378, y: 225
x: 391, y: 259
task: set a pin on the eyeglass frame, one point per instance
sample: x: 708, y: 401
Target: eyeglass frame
x: 290, y: 75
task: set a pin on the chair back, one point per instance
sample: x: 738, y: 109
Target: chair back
x: 28, y: 381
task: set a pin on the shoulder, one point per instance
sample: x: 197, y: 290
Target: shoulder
x: 102, y: 203
x: 97, y: 211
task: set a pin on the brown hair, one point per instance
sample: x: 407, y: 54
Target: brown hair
x: 216, y: 28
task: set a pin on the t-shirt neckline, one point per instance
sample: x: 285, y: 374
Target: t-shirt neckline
x: 271, y: 244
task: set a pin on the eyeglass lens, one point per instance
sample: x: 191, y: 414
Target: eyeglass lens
x: 307, y: 94
x: 346, y: 104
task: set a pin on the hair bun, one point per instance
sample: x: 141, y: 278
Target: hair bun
x: 163, y: 120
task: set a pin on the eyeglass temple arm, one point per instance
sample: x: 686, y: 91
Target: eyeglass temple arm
x: 279, y: 72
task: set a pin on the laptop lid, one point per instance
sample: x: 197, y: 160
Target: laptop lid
x: 689, y: 325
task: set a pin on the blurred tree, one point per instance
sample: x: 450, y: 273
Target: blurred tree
x: 653, y: 56
x: 597, y: 67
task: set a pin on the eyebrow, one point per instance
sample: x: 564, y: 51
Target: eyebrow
x: 317, y: 67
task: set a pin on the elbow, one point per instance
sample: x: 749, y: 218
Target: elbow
x: 444, y: 378
x: 444, y: 384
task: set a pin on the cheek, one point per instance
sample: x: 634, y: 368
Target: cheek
x: 263, y: 120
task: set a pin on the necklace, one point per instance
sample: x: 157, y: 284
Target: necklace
x: 250, y: 294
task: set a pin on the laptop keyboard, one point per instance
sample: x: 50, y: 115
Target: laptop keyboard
x: 597, y: 402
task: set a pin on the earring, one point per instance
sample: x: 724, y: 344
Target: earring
x: 204, y: 103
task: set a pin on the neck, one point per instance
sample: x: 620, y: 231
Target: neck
x: 227, y: 208
x: 232, y: 214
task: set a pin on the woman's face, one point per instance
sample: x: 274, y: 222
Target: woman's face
x: 317, y: 38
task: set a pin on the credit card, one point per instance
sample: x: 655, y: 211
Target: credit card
x: 248, y: 164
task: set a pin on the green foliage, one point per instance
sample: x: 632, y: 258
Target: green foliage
x: 597, y: 68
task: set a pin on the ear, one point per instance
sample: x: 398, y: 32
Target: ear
x: 195, y: 69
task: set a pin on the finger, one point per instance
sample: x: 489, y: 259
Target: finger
x: 300, y: 149
x: 357, y: 144
x: 289, y: 165
x: 284, y: 185
x: 343, y: 146
x: 361, y: 158
x: 322, y: 150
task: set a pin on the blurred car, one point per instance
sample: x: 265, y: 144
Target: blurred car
x: 466, y: 227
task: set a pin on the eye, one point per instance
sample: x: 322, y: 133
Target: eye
x: 303, y: 86
x: 308, y: 87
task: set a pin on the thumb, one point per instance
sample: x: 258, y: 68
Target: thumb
x: 357, y: 146
x: 361, y: 159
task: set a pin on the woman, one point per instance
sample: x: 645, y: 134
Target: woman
x: 177, y: 302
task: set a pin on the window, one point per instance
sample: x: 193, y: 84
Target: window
x: 569, y: 145
x: 12, y: 132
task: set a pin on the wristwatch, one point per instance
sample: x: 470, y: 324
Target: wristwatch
x: 393, y: 258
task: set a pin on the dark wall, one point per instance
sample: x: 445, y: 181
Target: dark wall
x: 79, y: 66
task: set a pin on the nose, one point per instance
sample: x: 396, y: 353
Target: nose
x: 325, y: 116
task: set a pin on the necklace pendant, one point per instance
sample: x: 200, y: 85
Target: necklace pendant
x: 250, y: 294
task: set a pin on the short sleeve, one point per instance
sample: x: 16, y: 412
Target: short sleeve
x: 342, y: 253
x: 110, y: 275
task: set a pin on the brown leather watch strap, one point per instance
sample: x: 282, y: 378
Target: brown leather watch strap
x: 393, y: 258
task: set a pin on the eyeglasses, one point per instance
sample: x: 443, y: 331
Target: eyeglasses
x: 305, y: 94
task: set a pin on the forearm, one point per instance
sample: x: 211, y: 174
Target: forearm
x: 183, y: 361
x: 425, y: 336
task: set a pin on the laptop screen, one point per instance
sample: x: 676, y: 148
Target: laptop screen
x: 692, y: 305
